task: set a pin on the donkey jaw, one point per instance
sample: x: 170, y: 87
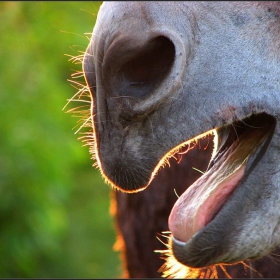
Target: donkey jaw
x: 241, y: 146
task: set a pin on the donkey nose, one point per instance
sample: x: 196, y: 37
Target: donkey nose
x: 135, y: 65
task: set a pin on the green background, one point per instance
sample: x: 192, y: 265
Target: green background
x: 54, y: 206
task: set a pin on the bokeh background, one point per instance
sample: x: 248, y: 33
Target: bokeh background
x: 54, y: 206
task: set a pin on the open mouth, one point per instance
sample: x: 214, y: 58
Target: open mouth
x: 241, y: 145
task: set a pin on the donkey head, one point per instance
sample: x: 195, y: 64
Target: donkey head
x: 162, y: 75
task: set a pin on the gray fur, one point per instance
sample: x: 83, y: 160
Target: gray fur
x: 226, y: 67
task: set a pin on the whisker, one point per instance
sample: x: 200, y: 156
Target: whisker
x: 225, y: 271
x: 198, y: 170
x: 176, y: 194
x: 250, y: 267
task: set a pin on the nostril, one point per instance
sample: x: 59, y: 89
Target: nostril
x: 136, y: 71
x: 139, y: 76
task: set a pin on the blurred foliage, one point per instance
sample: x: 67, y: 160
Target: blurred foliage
x: 54, y: 206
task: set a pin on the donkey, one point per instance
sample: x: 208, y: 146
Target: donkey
x: 170, y: 78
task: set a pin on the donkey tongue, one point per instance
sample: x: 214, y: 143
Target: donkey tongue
x: 198, y: 205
